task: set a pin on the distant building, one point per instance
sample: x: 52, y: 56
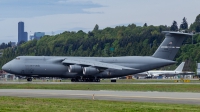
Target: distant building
x: 22, y: 36
x: 20, y: 31
x: 37, y: 35
x: 31, y: 37
x: 13, y: 44
x: 25, y: 38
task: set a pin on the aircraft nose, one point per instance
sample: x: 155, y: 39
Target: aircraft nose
x: 6, y: 67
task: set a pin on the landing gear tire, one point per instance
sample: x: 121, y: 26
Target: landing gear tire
x: 113, y: 80
x: 73, y: 80
x: 29, y: 79
x: 85, y: 80
x: 97, y: 80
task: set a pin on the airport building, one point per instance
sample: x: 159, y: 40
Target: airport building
x: 22, y: 36
x: 37, y: 35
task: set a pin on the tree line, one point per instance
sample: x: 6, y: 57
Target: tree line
x: 128, y: 40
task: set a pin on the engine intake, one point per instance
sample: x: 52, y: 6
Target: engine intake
x: 90, y: 71
x: 75, y: 68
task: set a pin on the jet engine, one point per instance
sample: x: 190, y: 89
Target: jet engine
x: 75, y: 68
x: 90, y: 71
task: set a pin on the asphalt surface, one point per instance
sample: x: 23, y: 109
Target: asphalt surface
x: 159, y: 97
x: 11, y: 82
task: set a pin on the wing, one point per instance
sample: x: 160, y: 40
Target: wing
x: 95, y: 64
x: 166, y: 74
x: 157, y: 74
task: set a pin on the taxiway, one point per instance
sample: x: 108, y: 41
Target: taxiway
x: 160, y: 97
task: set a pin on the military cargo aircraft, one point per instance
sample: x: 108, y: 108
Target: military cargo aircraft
x: 86, y: 69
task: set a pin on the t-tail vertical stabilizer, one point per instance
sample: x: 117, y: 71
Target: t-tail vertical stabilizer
x: 180, y: 67
x: 171, y: 44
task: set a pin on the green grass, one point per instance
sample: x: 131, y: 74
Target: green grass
x: 119, y: 80
x: 16, y: 104
x: 119, y: 87
x: 151, y: 80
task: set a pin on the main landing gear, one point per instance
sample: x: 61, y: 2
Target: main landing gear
x: 29, y: 79
x: 85, y: 80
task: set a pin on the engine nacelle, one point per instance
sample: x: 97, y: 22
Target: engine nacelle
x: 90, y: 71
x: 75, y: 68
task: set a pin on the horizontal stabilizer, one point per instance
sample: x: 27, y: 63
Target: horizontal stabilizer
x: 178, y: 33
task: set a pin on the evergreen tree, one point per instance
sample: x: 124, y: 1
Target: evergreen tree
x: 96, y: 28
x: 174, y: 26
x: 197, y: 21
x: 184, y: 24
x: 145, y: 25
x: 90, y: 34
x: 196, y: 25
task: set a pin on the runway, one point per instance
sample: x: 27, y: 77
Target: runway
x: 159, y: 97
x: 11, y: 82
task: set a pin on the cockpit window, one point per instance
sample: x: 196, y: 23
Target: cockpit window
x: 17, y: 58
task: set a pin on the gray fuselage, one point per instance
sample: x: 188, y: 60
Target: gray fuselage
x: 52, y: 66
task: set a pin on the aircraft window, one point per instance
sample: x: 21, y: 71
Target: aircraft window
x: 17, y: 58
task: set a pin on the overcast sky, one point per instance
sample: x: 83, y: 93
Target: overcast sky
x: 72, y: 15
